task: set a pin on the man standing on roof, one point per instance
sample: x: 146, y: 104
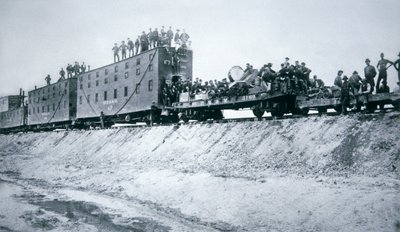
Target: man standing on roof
x: 130, y: 47
x: 77, y: 68
x: 396, y: 65
x: 70, y: 69
x: 150, y: 38
x: 123, y: 49
x: 47, y: 79
x: 370, y: 73
x: 156, y: 38
x: 144, y: 42
x: 116, y: 51
x: 83, y: 67
x: 184, y: 37
x: 170, y: 35
x: 137, y: 44
x: 382, y: 67
x: 176, y: 38
x: 62, y: 74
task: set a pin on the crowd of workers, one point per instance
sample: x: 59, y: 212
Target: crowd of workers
x: 152, y: 39
x: 70, y: 70
x: 291, y: 78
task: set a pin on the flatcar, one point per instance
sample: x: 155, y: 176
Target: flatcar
x: 202, y: 106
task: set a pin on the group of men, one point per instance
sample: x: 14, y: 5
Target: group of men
x: 152, y: 39
x: 72, y: 70
x: 289, y: 79
x: 357, y: 83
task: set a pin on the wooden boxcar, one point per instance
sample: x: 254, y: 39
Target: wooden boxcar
x: 10, y: 102
x: 132, y: 87
x: 13, y: 119
x: 53, y: 104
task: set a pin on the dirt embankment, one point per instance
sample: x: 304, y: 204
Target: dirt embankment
x: 235, y: 174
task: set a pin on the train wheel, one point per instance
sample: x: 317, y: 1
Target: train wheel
x: 184, y: 117
x: 338, y: 108
x: 305, y: 111
x: 322, y: 111
x: 280, y: 110
x: 396, y: 105
x: 217, y: 115
x: 371, y: 107
x: 258, y: 112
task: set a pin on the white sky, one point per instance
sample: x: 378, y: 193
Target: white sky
x: 39, y: 37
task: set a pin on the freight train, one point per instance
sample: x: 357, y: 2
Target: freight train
x: 132, y: 90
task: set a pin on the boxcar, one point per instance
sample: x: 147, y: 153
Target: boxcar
x: 53, y: 105
x: 129, y: 89
x: 10, y: 102
x: 14, y: 119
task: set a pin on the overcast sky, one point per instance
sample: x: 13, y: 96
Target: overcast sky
x: 39, y: 37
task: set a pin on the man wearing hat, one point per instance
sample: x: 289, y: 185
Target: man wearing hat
x: 170, y: 35
x: 382, y: 67
x: 116, y: 51
x: 355, y: 82
x: 131, y: 47
x: 287, y: 64
x: 123, y: 49
x: 365, y: 87
x: 345, y: 94
x: 396, y: 65
x: 338, y: 79
x: 144, y: 42
x: 177, y: 36
x: 370, y: 73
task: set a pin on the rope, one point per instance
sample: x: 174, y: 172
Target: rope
x: 88, y: 101
x: 58, y: 106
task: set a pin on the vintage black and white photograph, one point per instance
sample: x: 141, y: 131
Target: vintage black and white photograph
x: 192, y: 116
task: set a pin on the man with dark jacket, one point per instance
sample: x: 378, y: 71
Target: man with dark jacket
x: 123, y: 49
x: 130, y: 47
x: 370, y: 73
x: 355, y: 82
x: 62, y: 74
x: 345, y: 94
x: 170, y: 35
x: 150, y: 37
x: 144, y: 42
x: 137, y: 44
x: 156, y: 38
x: 338, y: 79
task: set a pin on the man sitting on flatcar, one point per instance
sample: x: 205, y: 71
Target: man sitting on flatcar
x: 384, y: 88
x: 355, y: 82
x: 365, y: 87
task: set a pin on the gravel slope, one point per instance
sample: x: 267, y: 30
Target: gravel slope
x: 314, y: 174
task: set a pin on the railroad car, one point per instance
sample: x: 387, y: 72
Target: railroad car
x: 12, y: 113
x: 53, y: 106
x: 131, y: 89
